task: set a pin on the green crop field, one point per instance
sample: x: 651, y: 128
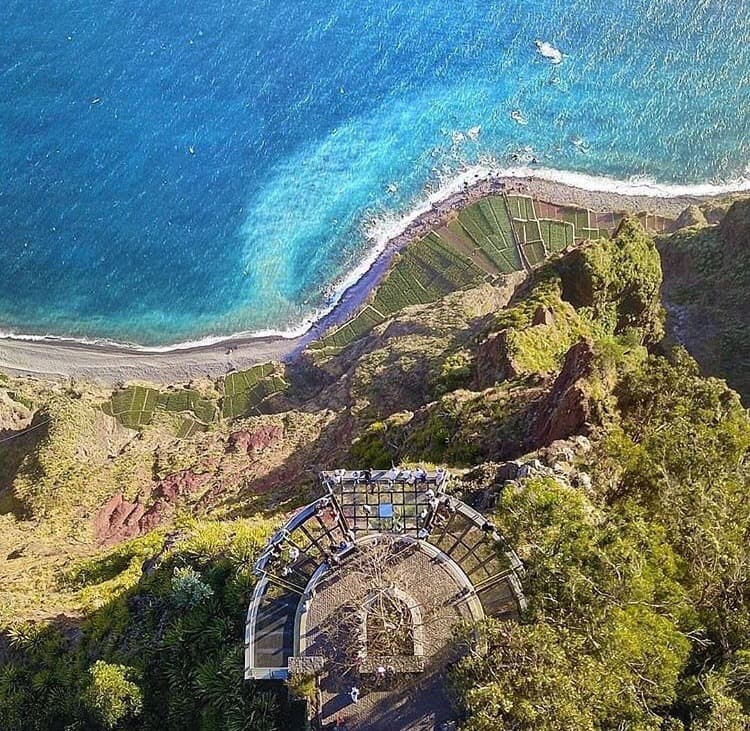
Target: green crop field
x: 245, y: 391
x: 557, y: 235
x: 487, y: 226
x: 578, y: 217
x: 500, y: 244
x: 426, y: 270
x: 590, y: 234
x: 244, y: 394
x: 516, y: 207
x: 189, y: 400
x: 134, y: 406
x: 535, y: 252
x: 494, y: 235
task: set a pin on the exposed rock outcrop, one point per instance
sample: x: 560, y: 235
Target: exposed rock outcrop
x: 14, y: 415
x: 494, y: 362
x: 566, y: 410
x: 735, y: 230
x: 250, y: 442
x: 119, y: 519
x: 543, y: 316
x: 691, y: 216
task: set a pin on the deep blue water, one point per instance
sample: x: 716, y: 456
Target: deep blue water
x: 176, y: 170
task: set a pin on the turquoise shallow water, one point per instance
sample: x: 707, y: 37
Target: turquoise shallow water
x: 173, y: 174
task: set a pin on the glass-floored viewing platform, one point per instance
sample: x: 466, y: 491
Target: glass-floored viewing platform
x: 356, y: 506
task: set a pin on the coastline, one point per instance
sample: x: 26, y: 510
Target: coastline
x: 110, y: 363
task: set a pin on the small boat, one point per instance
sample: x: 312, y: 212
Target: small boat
x: 96, y: 100
x: 191, y: 150
x: 517, y: 116
x: 548, y: 51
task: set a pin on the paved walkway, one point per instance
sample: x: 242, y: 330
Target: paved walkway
x: 415, y: 702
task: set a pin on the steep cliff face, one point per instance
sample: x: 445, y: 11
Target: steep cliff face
x: 620, y: 478
x: 734, y: 230
x: 618, y: 282
x: 532, y: 371
x: 487, y: 373
x: 706, y: 285
x: 566, y: 409
x: 67, y: 467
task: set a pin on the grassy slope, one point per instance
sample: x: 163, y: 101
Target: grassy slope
x: 620, y: 588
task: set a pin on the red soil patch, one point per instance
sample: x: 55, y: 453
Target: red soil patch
x: 249, y: 442
x: 118, y: 519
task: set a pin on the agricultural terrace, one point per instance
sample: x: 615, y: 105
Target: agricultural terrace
x: 496, y: 235
x: 238, y: 394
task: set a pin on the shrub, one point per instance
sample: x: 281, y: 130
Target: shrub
x: 112, y: 697
x: 188, y: 588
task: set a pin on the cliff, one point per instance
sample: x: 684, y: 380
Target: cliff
x: 130, y: 520
x: 707, y: 278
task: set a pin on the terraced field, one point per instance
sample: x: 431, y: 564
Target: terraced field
x: 245, y: 391
x: 244, y: 395
x: 426, y: 270
x: 488, y: 227
x: 134, y: 406
x: 496, y: 235
x: 556, y: 235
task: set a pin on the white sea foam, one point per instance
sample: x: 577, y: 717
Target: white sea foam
x: 634, y: 186
x: 381, y: 231
x: 205, y: 342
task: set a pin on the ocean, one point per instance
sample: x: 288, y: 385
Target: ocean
x: 179, y: 172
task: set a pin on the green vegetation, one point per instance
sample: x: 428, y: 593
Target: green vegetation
x: 635, y: 544
x: 74, y: 444
x: 111, y: 697
x: 707, y: 278
x: 635, y: 613
x: 159, y: 654
x: 458, y: 425
x: 245, y: 392
x: 618, y: 282
x: 600, y: 645
x: 134, y: 406
x: 496, y: 235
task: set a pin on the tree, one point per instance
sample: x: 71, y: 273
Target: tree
x: 601, y: 646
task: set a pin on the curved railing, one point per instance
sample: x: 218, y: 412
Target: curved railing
x: 358, y: 504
